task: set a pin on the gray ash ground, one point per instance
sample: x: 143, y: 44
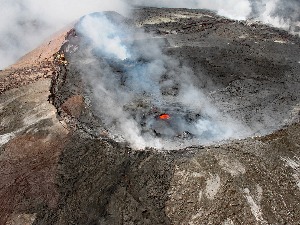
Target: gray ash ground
x: 249, y: 72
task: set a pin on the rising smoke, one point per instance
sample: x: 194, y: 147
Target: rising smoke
x: 26, y: 23
x: 132, y: 81
x: 283, y: 14
x: 278, y: 13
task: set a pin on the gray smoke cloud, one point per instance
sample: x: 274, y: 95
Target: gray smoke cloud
x: 27, y: 23
x: 278, y: 13
x: 132, y: 81
x: 283, y: 14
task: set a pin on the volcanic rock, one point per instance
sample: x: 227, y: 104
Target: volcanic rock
x: 60, y: 166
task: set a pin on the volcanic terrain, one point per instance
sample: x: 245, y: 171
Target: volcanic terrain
x: 91, y: 136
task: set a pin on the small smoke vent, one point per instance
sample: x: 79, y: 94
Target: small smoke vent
x: 168, y: 123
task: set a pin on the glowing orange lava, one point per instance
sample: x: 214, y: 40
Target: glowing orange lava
x: 164, y: 116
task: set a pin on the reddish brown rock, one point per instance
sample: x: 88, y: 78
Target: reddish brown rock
x: 28, y: 167
x: 31, y: 141
x: 37, y: 64
x: 73, y: 106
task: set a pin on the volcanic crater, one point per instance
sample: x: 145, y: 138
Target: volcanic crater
x: 240, y: 78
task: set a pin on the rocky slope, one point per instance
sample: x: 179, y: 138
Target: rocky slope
x: 57, y: 168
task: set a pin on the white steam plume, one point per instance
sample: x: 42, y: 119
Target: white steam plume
x: 24, y: 24
x: 135, y: 81
x: 283, y: 14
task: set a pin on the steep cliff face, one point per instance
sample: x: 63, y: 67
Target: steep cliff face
x: 62, y: 164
